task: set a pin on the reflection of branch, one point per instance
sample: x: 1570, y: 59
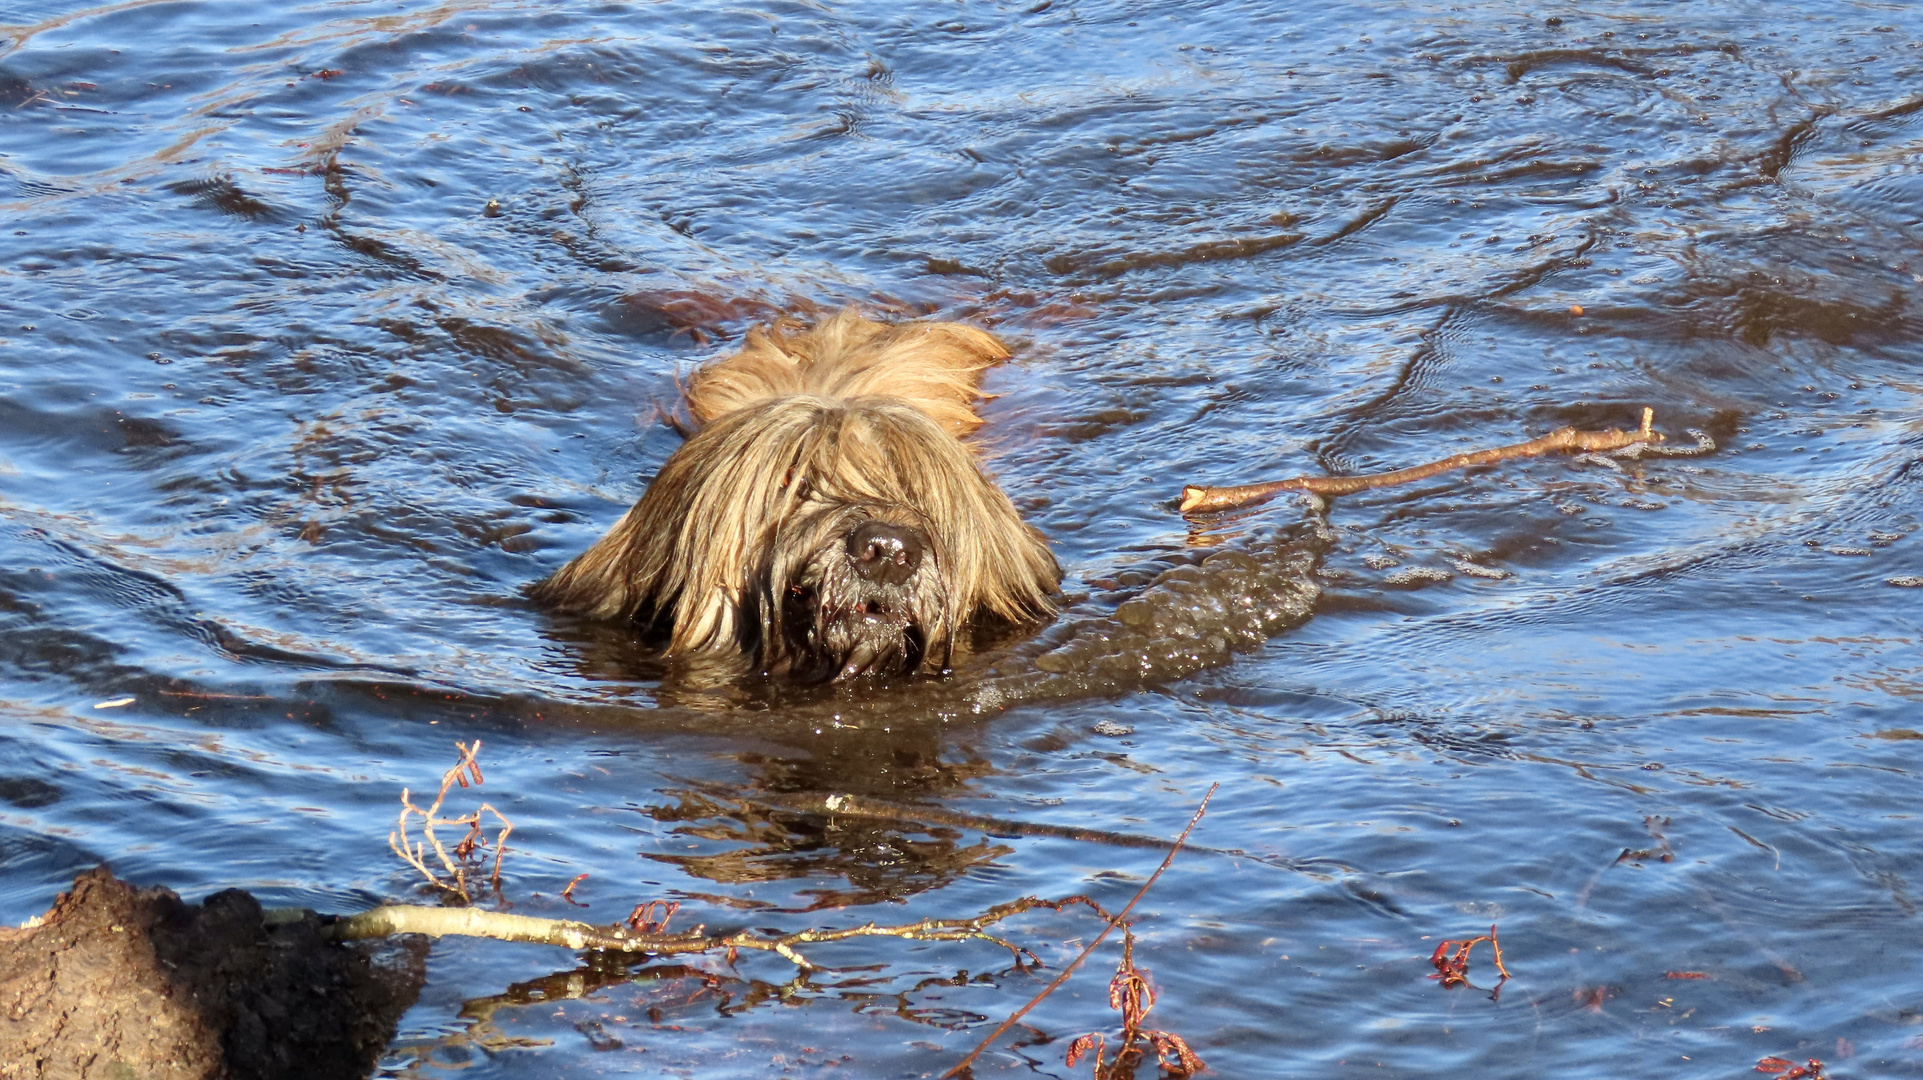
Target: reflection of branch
x: 1205, y: 500
x: 1118, y: 920
x: 836, y: 804
x: 502, y: 926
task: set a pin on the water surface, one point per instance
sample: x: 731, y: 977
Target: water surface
x: 325, y: 328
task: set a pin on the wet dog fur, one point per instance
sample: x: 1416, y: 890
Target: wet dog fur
x: 826, y: 520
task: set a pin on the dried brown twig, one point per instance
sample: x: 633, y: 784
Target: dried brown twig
x: 1453, y: 967
x: 1129, y: 993
x: 643, y: 919
x: 1208, y: 500
x: 1117, y: 920
x: 455, y: 865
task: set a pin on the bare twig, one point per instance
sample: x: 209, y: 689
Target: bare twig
x: 1207, y: 500
x: 454, y: 865
x: 643, y: 919
x: 1077, y: 962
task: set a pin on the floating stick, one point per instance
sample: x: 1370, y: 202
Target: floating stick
x: 1208, y: 500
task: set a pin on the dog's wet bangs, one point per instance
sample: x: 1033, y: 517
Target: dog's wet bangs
x: 689, y: 548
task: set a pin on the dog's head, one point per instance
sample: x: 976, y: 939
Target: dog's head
x: 818, y: 538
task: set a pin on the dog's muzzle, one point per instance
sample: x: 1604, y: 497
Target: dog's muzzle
x: 866, y: 602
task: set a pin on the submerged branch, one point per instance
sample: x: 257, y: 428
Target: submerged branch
x: 1205, y: 500
x: 866, y: 807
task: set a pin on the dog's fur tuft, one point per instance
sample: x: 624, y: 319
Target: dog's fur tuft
x: 812, y: 444
x: 936, y: 367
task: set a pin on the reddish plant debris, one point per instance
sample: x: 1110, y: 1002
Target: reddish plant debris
x: 1185, y: 1057
x: 1130, y: 994
x: 1685, y: 974
x: 1452, y: 967
x: 1082, y: 1046
x: 1174, y: 1055
x: 1811, y: 1069
x: 568, y: 893
x: 642, y: 919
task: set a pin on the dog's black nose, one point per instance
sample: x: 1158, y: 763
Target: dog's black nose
x: 885, y: 554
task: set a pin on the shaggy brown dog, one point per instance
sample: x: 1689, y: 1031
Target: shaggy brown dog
x: 826, y: 521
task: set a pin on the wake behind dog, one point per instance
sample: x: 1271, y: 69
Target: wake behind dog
x: 827, y: 520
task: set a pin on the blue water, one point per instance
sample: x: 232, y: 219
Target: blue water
x: 326, y: 328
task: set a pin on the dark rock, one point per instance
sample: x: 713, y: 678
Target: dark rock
x: 117, y: 982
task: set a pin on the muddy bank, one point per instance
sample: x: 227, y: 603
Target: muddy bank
x: 117, y: 982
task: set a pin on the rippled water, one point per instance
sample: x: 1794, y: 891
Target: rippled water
x: 328, y: 327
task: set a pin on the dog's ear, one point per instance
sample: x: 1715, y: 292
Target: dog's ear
x: 934, y: 366
x: 769, y: 365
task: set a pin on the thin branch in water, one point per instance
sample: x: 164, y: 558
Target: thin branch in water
x: 455, y: 864
x: 1207, y: 500
x: 1117, y: 920
x: 863, y: 806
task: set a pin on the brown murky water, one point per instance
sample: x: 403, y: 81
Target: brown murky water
x: 326, y: 328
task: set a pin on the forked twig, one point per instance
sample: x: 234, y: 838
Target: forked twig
x: 1207, y: 500
x: 1453, y: 967
x: 1117, y: 920
x: 454, y: 864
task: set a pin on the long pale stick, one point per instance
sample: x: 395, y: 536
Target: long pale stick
x: 1207, y: 500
